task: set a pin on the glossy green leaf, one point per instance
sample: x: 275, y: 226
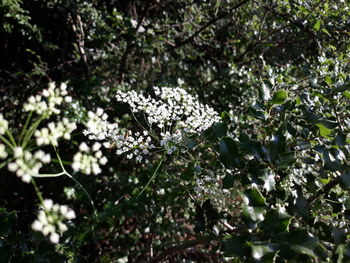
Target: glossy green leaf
x: 236, y: 246
x: 229, y: 153
x: 346, y: 94
x: 324, y: 131
x: 258, y: 113
x: 276, y: 147
x: 219, y: 130
x: 254, y: 213
x: 279, y: 97
x: 317, y: 25
x: 276, y: 221
x: 253, y: 197
x: 344, y: 179
x: 326, y: 32
x: 330, y: 160
x: 328, y: 80
x: 299, y: 242
x: 286, y: 160
x: 228, y: 181
x: 340, y: 139
x: 261, y: 251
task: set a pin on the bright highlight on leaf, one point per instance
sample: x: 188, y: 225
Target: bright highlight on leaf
x: 324, y: 131
x: 279, y: 97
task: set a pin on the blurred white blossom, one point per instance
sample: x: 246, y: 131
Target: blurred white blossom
x: 46, y: 103
x: 50, y: 220
x: 3, y: 153
x: 3, y: 125
x: 175, y: 109
x: 88, y: 160
x: 26, y: 165
x: 98, y: 128
x: 54, y: 131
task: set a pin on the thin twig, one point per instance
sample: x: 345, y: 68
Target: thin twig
x: 180, y: 247
x: 205, y: 26
x: 324, y: 191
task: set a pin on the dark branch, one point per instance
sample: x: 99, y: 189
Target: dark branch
x: 324, y: 191
x: 180, y: 247
x: 213, y: 21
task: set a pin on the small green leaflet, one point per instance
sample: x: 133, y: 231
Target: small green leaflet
x: 317, y: 25
x: 279, y: 97
x: 324, y: 131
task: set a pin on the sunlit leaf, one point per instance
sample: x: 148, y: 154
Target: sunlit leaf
x: 279, y: 97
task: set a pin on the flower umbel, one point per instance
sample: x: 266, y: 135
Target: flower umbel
x: 88, y: 160
x: 26, y: 165
x: 175, y: 113
x: 50, y: 220
x: 54, y: 131
x: 46, y: 103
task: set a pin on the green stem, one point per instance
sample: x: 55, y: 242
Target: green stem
x: 25, y: 126
x: 150, y: 131
x: 4, y: 163
x: 30, y: 132
x: 76, y: 181
x: 49, y: 175
x: 154, y: 173
x: 7, y: 142
x: 38, y: 193
x: 12, y: 139
x: 85, y: 191
x: 80, y: 185
x: 63, y: 162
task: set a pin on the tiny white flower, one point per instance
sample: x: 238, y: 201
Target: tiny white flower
x: 83, y: 147
x: 87, y: 160
x: 3, y: 153
x: 18, y: 151
x: 96, y: 146
x: 47, y: 204
x: 37, y: 225
x: 54, y: 238
x: 133, y: 22
x: 12, y: 167
x: 3, y: 125
x: 70, y: 214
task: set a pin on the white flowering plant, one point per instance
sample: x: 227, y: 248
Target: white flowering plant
x: 247, y: 175
x: 171, y: 120
x: 47, y: 124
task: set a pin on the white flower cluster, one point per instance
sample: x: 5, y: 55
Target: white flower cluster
x: 46, y: 103
x: 174, y: 108
x: 26, y: 165
x: 193, y: 116
x: 176, y: 113
x: 209, y: 186
x: 50, y: 220
x: 3, y: 153
x: 3, y: 125
x: 170, y: 140
x: 139, y: 145
x: 89, y: 160
x: 53, y: 132
x: 98, y: 128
